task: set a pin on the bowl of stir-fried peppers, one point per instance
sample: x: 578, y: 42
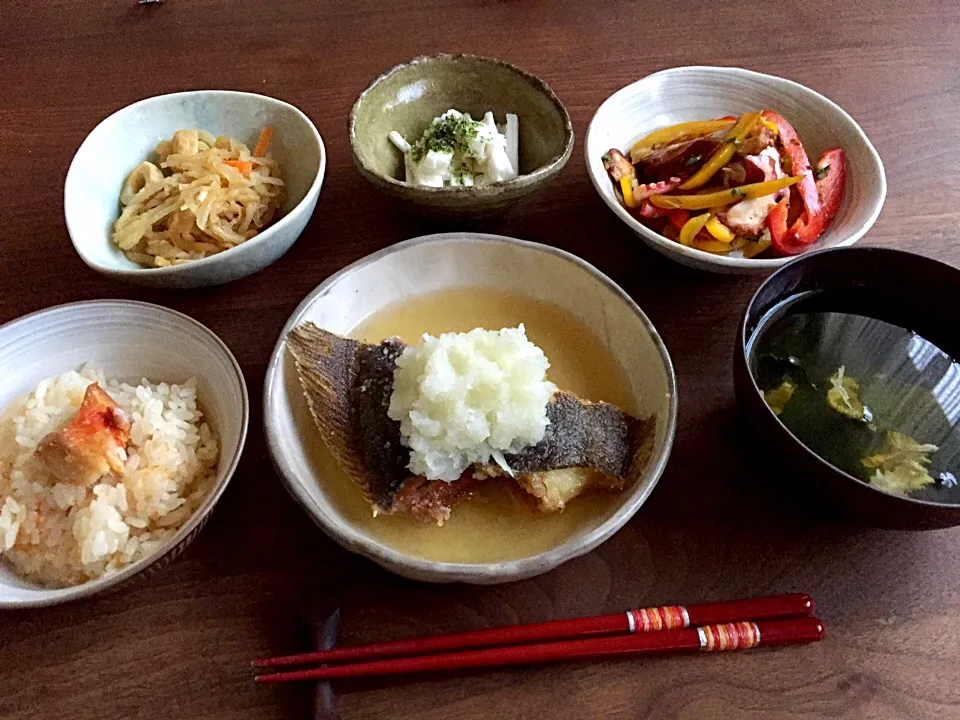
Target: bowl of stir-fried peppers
x: 733, y: 171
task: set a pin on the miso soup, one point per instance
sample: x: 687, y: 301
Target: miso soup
x: 874, y: 399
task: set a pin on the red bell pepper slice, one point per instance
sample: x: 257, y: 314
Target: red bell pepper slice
x: 777, y: 225
x: 832, y: 167
x: 800, y: 163
x: 678, y: 218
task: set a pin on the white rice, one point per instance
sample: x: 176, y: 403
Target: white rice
x: 57, y: 534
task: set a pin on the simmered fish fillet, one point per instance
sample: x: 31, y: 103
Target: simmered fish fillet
x: 348, y: 385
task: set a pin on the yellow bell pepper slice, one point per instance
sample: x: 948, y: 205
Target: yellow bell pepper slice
x: 626, y: 186
x: 769, y: 125
x: 722, y: 198
x: 739, y: 242
x: 724, y: 153
x: 676, y: 133
x: 752, y: 249
x: 691, y: 227
x: 720, y: 231
x: 712, y: 246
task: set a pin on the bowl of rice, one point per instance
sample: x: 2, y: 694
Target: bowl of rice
x: 121, y: 424
x: 194, y: 188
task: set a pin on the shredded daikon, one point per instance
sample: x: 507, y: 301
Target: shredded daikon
x: 465, y: 398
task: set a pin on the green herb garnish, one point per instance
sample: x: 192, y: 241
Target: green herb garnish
x: 737, y: 193
x: 460, y: 173
x: 821, y: 173
x: 451, y: 134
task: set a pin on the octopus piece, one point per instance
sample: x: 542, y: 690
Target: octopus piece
x: 644, y: 190
x: 617, y: 165
x: 680, y: 159
x: 758, y: 139
x: 749, y: 216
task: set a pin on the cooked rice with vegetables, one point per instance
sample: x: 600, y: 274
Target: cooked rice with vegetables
x: 203, y: 196
x: 96, y: 474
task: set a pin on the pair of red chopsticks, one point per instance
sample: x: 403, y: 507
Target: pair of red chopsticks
x: 734, y: 625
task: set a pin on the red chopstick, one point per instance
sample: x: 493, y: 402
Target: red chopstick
x: 709, y: 638
x: 633, y: 621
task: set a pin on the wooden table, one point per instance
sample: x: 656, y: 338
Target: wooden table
x: 178, y: 645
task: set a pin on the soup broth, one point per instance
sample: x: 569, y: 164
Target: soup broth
x: 874, y: 399
x: 495, y: 524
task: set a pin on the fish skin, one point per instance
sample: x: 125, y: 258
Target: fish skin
x: 348, y: 385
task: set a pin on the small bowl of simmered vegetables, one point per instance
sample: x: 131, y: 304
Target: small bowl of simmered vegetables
x: 733, y: 171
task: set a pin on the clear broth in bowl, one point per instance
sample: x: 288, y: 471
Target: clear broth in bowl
x: 876, y: 400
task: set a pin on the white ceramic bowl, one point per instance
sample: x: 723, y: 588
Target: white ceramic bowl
x: 128, y: 340
x: 450, y: 260
x: 699, y: 93
x: 128, y: 137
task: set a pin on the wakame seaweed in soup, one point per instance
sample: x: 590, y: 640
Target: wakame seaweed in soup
x: 876, y: 400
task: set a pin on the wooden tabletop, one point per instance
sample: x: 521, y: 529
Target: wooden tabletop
x: 178, y: 645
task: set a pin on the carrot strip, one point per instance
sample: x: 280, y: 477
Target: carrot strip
x: 262, y: 143
x: 245, y: 167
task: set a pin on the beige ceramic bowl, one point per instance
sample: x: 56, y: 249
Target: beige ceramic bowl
x: 451, y: 260
x: 127, y: 340
x: 409, y: 96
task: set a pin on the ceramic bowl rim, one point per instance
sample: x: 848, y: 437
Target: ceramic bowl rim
x: 76, y: 232
x: 199, y: 516
x: 493, y: 572
x: 721, y: 261
x: 743, y: 340
x: 554, y: 164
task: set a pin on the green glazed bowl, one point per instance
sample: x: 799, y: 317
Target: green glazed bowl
x: 410, y: 95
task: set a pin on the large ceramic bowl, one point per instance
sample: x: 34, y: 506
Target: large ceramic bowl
x: 454, y: 260
x: 127, y: 340
x: 699, y: 93
x: 873, y: 282
x: 128, y: 137
x: 409, y: 96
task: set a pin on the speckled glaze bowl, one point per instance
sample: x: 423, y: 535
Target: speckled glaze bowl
x: 410, y: 95
x: 699, y: 93
x: 452, y: 260
x: 127, y: 340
